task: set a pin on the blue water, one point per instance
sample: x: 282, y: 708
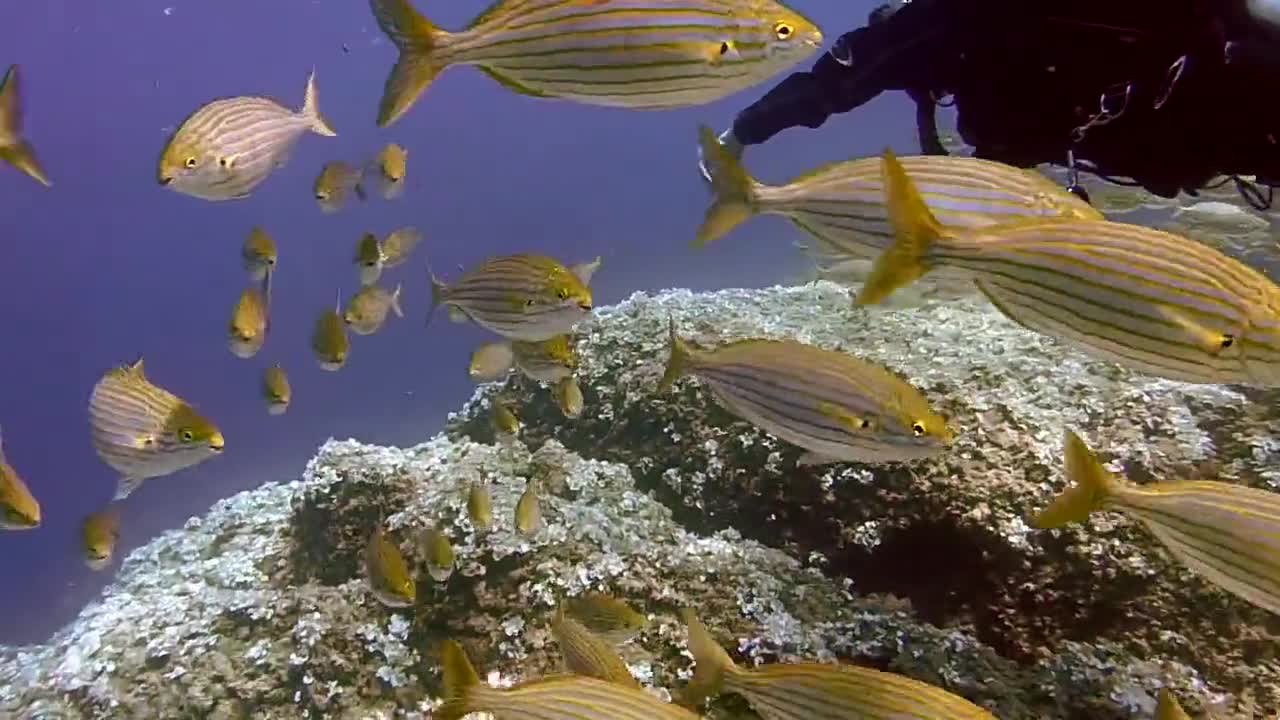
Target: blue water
x: 107, y: 265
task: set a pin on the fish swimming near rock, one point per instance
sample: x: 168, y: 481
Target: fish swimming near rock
x: 276, y: 390
x: 520, y: 297
x: 587, y: 654
x: 837, y: 407
x: 387, y: 574
x: 439, y: 553
x: 335, y: 184
x: 479, y: 506
x: 490, y: 361
x: 329, y: 341
x: 367, y: 309
x: 556, y: 697
x: 18, y: 507
x: 841, y: 205
x: 1227, y: 534
x: 99, y: 534
x: 247, y: 330
x: 637, y: 54
x: 14, y: 148
x: 227, y: 147
x: 259, y: 255
x: 143, y: 431
x: 809, y: 690
x: 568, y: 397
x: 606, y: 616
x: 529, y: 511
x: 1149, y: 300
x: 387, y: 171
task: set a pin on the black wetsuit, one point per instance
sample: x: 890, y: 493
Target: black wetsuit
x: 1194, y: 84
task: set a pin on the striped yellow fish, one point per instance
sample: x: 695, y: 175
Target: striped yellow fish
x: 439, y: 553
x: 1149, y: 300
x: 367, y: 309
x: 276, y: 390
x: 818, y: 691
x: 98, y: 535
x: 329, y: 341
x: 520, y: 297
x: 835, y: 406
x: 18, y: 507
x: 558, y: 697
x: 227, y: 147
x: 247, y: 330
x: 479, y: 506
x: 387, y: 171
x: 638, y: 54
x: 1167, y: 708
x: 568, y: 397
x: 144, y: 431
x: 586, y: 654
x: 1227, y: 534
x: 14, y: 148
x: 842, y: 205
x: 335, y: 184
x: 258, y: 254
x: 606, y: 616
x: 387, y: 574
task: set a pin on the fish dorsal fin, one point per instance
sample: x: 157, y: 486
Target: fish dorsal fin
x: 10, y: 106
x: 136, y: 370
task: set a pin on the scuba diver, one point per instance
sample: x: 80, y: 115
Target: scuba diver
x: 1167, y: 95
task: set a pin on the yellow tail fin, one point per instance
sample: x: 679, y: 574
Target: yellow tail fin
x: 1090, y: 483
x: 1167, y: 708
x: 14, y: 149
x: 734, y: 198
x: 712, y: 662
x: 459, y: 678
x: 417, y: 39
x: 677, y: 362
x: 914, y: 229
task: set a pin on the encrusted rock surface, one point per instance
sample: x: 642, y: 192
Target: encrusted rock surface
x: 947, y: 534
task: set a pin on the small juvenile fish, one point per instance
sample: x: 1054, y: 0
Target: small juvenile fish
x: 520, y: 297
x: 569, y: 397
x: 276, y: 390
x: 258, y: 254
x: 647, y: 55
x: 368, y: 259
x: 1167, y: 708
x: 329, y: 340
x: 556, y: 697
x: 388, y: 171
x: 334, y: 184
x: 504, y: 419
x: 479, y: 506
x: 606, y: 616
x: 14, y: 148
x: 833, y: 405
x: 588, y: 655
x: 247, y: 330
x: 367, y: 309
x: 144, y: 431
x: 1154, y: 302
x: 547, y: 360
x: 99, y: 534
x: 490, y: 361
x: 387, y: 574
x: 227, y: 147
x: 18, y: 507
x: 373, y: 257
x: 1227, y: 534
x: 808, y: 690
x: 439, y: 553
x: 398, y: 245
x: 528, y: 511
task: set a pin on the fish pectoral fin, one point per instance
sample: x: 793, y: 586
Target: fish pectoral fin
x: 854, y: 424
x: 1212, y: 341
x: 126, y: 486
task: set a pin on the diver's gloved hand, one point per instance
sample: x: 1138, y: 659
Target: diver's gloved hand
x: 729, y: 142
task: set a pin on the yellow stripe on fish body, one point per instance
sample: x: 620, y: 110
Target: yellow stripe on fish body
x: 819, y: 691
x: 837, y: 407
x: 558, y: 697
x: 1149, y: 300
x: 1228, y: 534
x: 638, y: 54
x: 521, y: 297
x: 227, y: 147
x: 586, y: 654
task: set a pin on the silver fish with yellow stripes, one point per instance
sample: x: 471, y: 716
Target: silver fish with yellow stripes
x: 588, y: 655
x: 841, y: 206
x: 144, y: 431
x: 520, y: 297
x: 638, y: 54
x: 14, y: 148
x: 335, y: 184
x: 557, y: 697
x: 1228, y: 534
x: 808, y: 690
x: 1152, y: 301
x: 611, y: 619
x: 227, y: 147
x: 833, y: 405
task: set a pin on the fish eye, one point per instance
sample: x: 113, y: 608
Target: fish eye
x: 563, y: 293
x: 917, y: 428
x: 1227, y: 341
x: 783, y: 30
x: 188, y: 436
x: 190, y: 163
x: 530, y: 303
x: 724, y: 48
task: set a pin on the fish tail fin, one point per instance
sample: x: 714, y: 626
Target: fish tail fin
x: 438, y: 292
x: 395, y: 301
x: 311, y: 109
x: 678, y: 361
x: 1090, y: 483
x: 734, y: 190
x: 23, y: 157
x: 126, y: 486
x: 417, y: 39
x: 914, y: 229
x: 712, y: 662
x: 18, y: 152
x: 460, y: 677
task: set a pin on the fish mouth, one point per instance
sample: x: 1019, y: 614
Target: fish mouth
x: 164, y: 180
x: 216, y: 443
x: 585, y: 305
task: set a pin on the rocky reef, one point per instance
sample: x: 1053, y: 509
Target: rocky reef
x: 259, y: 609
